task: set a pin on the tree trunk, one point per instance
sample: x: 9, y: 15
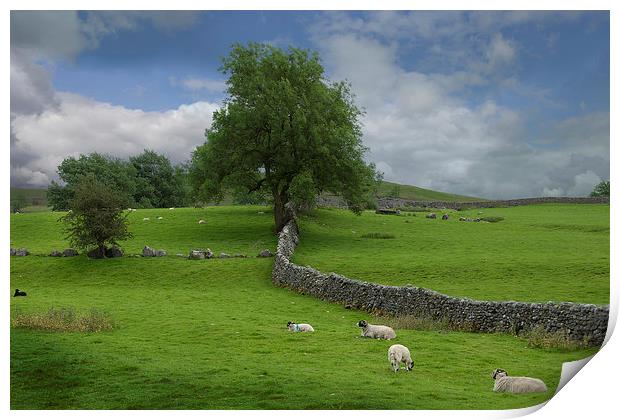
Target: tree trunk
x: 279, y: 211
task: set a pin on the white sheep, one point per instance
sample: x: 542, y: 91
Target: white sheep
x: 299, y: 327
x: 159, y: 218
x: 376, y: 331
x: 201, y: 222
x: 146, y: 219
x: 171, y: 208
x: 398, y: 354
x: 516, y: 384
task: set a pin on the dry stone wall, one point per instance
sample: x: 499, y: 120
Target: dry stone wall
x: 580, y: 321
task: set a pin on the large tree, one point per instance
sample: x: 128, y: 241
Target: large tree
x: 158, y: 184
x: 283, y: 129
x: 113, y: 172
x: 601, y: 190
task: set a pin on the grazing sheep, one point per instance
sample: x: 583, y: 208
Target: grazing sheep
x: 201, y: 222
x: 146, y: 219
x: 398, y: 354
x: 516, y: 384
x: 171, y: 208
x: 19, y: 293
x: 159, y: 218
x: 299, y: 327
x: 376, y: 331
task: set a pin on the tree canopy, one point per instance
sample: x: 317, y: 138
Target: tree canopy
x: 284, y: 129
x: 146, y: 180
x: 601, y: 190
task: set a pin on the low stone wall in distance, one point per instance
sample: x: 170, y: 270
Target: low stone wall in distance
x: 580, y: 321
x: 393, y: 202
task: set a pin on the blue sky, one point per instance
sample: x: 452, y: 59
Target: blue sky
x: 492, y: 104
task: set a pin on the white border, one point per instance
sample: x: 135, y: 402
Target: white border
x: 593, y: 394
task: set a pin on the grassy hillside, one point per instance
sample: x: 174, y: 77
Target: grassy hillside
x: 31, y: 199
x: 211, y: 334
x: 410, y: 192
x: 537, y: 253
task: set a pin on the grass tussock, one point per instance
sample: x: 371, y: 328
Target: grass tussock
x: 493, y: 219
x: 65, y: 320
x: 378, y: 235
x: 538, y: 337
x: 412, y: 322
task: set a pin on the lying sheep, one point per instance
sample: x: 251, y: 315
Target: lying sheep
x: 516, y: 384
x: 398, y: 354
x: 376, y: 331
x: 299, y: 327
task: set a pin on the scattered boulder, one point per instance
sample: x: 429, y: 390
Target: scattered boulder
x: 201, y: 222
x: 19, y: 252
x: 388, y: 211
x: 147, y: 251
x: 240, y: 256
x: 171, y: 208
x: 431, y: 216
x: 462, y: 219
x: 180, y: 255
x: 96, y: 253
x: 444, y: 217
x: 69, y: 252
x: 56, y: 253
x: 265, y: 253
x: 113, y: 252
x: 224, y: 255
x: 199, y: 254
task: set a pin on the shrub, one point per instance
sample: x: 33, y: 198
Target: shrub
x: 539, y: 337
x: 65, y: 320
x: 378, y: 235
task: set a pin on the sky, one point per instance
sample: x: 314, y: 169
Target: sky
x: 492, y: 104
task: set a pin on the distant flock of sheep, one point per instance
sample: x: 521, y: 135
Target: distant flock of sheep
x: 398, y: 354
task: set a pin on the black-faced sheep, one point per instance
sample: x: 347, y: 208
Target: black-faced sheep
x: 19, y: 293
x: 398, y: 354
x: 516, y: 384
x: 376, y: 331
x: 292, y: 326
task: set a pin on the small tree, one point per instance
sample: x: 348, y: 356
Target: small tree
x: 96, y: 217
x: 601, y: 190
x: 284, y: 130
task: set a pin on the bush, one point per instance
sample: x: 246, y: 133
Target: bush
x: 539, y: 337
x: 378, y: 235
x: 65, y: 320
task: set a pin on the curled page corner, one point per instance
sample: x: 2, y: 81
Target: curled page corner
x: 570, y: 369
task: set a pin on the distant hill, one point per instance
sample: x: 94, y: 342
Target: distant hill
x: 31, y: 199
x: 35, y: 199
x: 410, y: 192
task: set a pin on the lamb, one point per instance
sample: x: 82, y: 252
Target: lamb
x: 376, y: 331
x: 397, y: 354
x: 516, y: 384
x: 19, y: 293
x: 299, y: 327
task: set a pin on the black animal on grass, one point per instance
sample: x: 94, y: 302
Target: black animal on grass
x: 19, y: 293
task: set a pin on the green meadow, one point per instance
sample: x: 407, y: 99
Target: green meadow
x: 537, y: 253
x: 212, y: 334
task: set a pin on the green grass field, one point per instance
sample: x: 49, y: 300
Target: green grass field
x: 537, y: 253
x: 212, y: 334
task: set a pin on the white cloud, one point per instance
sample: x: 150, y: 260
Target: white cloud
x: 422, y: 133
x: 79, y: 125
